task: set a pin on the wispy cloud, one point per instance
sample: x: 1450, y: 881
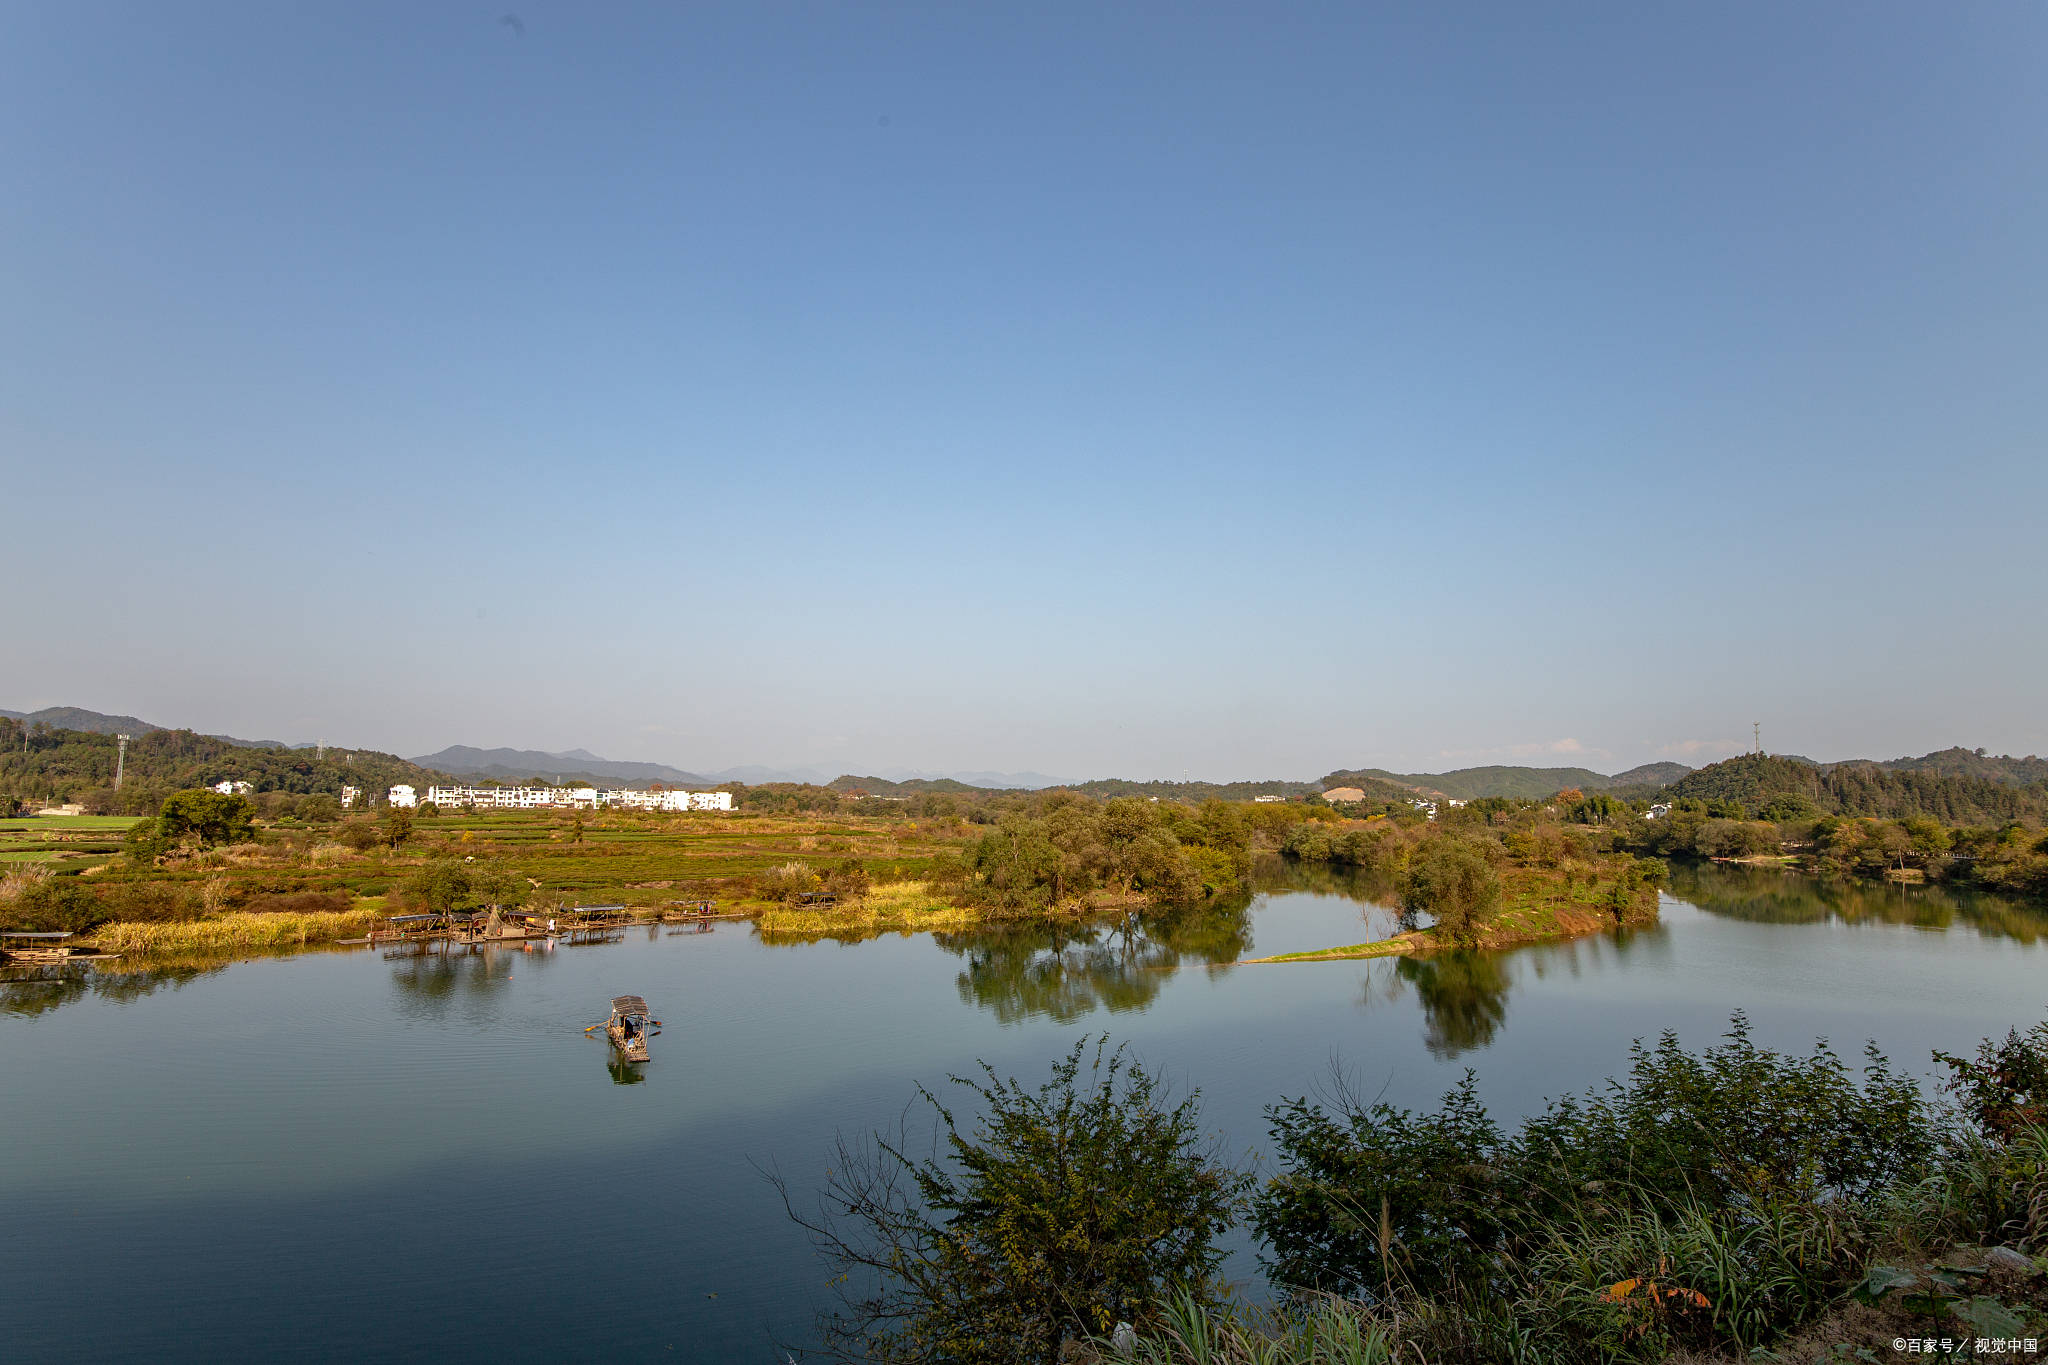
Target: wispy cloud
x: 1700, y: 748
x: 1552, y: 748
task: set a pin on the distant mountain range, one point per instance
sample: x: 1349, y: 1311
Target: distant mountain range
x: 99, y: 723
x: 519, y: 764
x: 511, y: 764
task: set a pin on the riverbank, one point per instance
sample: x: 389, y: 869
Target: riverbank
x: 234, y: 933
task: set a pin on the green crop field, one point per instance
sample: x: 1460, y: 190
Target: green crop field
x: 635, y: 860
x: 39, y: 823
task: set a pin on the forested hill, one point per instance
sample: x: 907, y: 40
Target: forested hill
x: 1777, y: 787
x: 1959, y: 762
x: 38, y: 763
x: 78, y: 718
x: 1529, y: 784
x: 1103, y: 788
x: 847, y: 783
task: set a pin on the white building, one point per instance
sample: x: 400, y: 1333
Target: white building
x: 1267, y: 800
x: 349, y: 795
x: 229, y: 786
x: 1657, y: 812
x: 573, y: 798
x: 400, y: 795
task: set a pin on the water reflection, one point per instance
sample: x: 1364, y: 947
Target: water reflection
x: 1464, y: 997
x: 623, y: 1071
x: 1065, y: 970
x: 38, y: 990
x: 434, y: 980
x: 1367, y: 886
x: 1770, y: 896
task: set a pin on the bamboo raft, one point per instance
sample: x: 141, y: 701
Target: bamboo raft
x: 46, y: 949
x: 629, y: 1026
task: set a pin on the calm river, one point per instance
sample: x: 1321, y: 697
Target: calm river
x: 340, y: 1156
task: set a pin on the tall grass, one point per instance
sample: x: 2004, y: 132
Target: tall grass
x: 1326, y: 1331
x: 234, y: 932
x: 891, y: 905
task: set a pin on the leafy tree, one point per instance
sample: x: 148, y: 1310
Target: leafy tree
x: 144, y: 840
x: 496, y: 885
x: 318, y: 809
x: 443, y: 887
x: 205, y: 817
x: 1072, y: 1207
x: 1451, y: 880
x: 397, y: 826
x: 1017, y: 864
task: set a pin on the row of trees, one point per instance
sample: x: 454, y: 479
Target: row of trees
x: 1126, y: 847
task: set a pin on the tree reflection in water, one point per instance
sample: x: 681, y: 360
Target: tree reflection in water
x: 1065, y: 969
x: 38, y: 991
x: 1464, y: 998
x: 1768, y: 895
x: 431, y: 977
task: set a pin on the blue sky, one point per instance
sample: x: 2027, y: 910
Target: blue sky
x: 1233, y: 390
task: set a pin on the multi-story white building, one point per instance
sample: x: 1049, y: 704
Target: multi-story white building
x: 574, y: 798
x: 229, y: 786
x: 400, y: 795
x: 349, y: 795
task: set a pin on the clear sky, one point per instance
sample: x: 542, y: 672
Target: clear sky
x: 1240, y: 390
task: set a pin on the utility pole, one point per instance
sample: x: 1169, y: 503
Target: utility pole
x: 120, y: 759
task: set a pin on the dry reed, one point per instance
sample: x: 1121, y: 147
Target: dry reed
x: 233, y: 933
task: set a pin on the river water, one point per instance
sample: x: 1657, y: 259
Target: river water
x: 343, y: 1156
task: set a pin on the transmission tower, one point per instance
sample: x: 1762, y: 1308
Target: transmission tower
x: 1757, y: 729
x: 120, y: 758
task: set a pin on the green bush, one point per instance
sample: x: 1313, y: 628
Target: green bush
x: 1070, y: 1208
x: 52, y: 905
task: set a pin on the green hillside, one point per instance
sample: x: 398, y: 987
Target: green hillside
x: 38, y: 763
x: 1469, y: 784
x: 1960, y: 762
x: 1770, y: 783
x: 1103, y: 788
x: 1649, y: 775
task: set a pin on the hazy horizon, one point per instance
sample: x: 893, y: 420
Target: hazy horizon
x: 1135, y: 393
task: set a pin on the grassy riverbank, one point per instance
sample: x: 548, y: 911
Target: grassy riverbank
x: 234, y: 933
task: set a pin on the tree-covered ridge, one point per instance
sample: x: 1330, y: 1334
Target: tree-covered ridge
x: 1105, y: 788
x: 1961, y: 762
x: 38, y: 763
x: 1779, y: 787
x: 1509, y: 780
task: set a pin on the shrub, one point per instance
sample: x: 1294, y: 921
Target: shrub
x: 149, y: 902
x: 1441, y: 1201
x: 1072, y: 1207
x: 52, y: 905
x: 300, y: 903
x: 785, y: 883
